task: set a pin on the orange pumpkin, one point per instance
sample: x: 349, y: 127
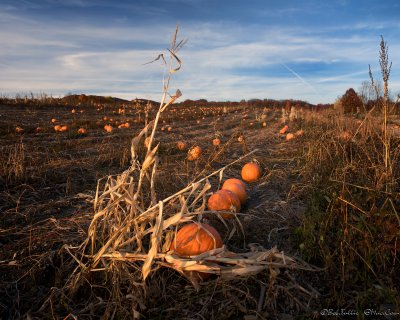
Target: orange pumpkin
x: 251, y: 172
x: 224, y: 200
x: 194, y: 153
x: 108, y: 128
x: 82, y: 131
x: 181, y: 145
x: 290, y: 136
x: 195, y: 238
x: 18, y: 129
x: 63, y: 128
x: 57, y: 127
x: 284, y: 129
x: 236, y: 188
x: 54, y: 120
x: 216, y: 142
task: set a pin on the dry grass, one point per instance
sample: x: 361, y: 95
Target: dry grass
x: 352, y: 224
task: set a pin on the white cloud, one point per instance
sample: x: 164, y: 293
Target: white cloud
x: 218, y: 62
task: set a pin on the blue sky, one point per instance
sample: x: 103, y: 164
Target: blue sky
x: 310, y: 50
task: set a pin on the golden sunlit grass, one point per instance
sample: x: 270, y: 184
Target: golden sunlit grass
x: 352, y: 223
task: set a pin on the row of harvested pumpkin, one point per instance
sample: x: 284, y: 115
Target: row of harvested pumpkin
x: 233, y: 193
x: 195, y: 238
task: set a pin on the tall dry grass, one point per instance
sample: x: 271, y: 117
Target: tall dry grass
x: 352, y: 224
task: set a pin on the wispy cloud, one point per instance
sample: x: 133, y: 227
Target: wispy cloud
x: 223, y: 60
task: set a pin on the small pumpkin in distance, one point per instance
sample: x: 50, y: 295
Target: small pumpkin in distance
x: 284, y: 129
x: 290, y: 136
x: 108, y: 128
x: 251, y: 172
x: 181, y: 145
x: 19, y: 129
x: 216, y: 142
x: 194, y: 153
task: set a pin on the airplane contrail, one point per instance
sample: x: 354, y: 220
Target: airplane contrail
x: 301, y: 79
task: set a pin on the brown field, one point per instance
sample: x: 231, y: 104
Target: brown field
x: 301, y: 204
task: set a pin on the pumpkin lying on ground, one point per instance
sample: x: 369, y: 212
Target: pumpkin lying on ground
x: 284, y: 129
x: 224, y: 200
x: 238, y: 187
x: 251, y: 172
x: 290, y: 136
x: 108, y: 128
x: 82, y: 131
x: 216, y: 142
x: 195, y: 238
x: 181, y: 145
x: 19, y: 129
x: 194, y: 153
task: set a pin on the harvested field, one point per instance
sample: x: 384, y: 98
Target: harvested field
x: 48, y: 185
x: 49, y: 179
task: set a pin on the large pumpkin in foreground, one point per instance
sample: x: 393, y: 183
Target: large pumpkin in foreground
x: 195, y: 238
x: 251, y: 172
